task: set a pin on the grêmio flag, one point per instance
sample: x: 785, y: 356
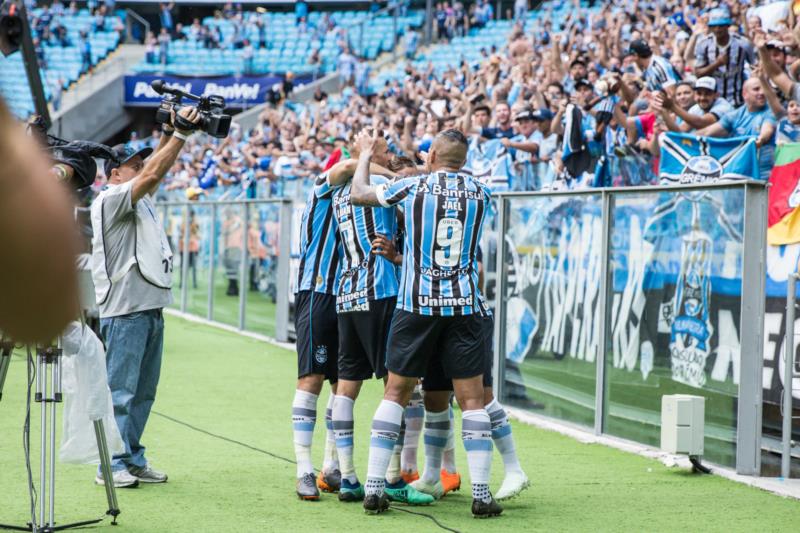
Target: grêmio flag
x: 691, y: 159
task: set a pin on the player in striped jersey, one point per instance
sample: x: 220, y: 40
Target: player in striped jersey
x: 317, y: 337
x: 365, y: 303
x: 438, y: 315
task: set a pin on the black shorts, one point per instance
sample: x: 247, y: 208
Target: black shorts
x: 435, y: 377
x: 455, y: 341
x: 317, y: 334
x: 362, y: 340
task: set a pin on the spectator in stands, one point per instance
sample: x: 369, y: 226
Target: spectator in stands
x: 788, y: 128
x: 707, y: 109
x: 347, y: 66
x: 724, y: 56
x: 362, y: 75
x: 56, y: 92
x: 300, y: 10
x: 755, y: 119
x: 248, y: 54
x: 411, y: 41
x: 85, y: 48
x: 179, y: 34
x: 163, y: 45
x: 165, y: 16
x: 150, y: 44
x: 38, y: 51
x: 520, y: 11
x: 658, y: 72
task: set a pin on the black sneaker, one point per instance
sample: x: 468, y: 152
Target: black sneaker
x: 307, y: 487
x: 376, y: 504
x: 481, y: 509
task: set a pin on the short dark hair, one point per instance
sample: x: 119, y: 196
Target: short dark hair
x: 454, y: 135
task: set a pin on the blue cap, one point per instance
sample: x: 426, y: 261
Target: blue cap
x: 719, y: 17
x: 542, y: 114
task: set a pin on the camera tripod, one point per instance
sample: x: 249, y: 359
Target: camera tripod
x: 48, y: 394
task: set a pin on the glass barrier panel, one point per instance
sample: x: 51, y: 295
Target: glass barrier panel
x: 552, y: 304
x: 675, y: 283
x: 229, y: 235
x: 173, y: 223
x: 262, y: 244
x: 198, y: 260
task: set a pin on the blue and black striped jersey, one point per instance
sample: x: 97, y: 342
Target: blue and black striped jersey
x: 319, y: 246
x: 363, y: 276
x: 444, y: 215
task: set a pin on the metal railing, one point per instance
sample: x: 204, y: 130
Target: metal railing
x: 248, y: 239
x: 132, y: 17
x: 575, y: 273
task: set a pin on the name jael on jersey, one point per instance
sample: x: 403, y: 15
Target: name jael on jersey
x: 444, y: 215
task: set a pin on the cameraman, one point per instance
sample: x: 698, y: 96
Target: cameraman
x: 132, y: 274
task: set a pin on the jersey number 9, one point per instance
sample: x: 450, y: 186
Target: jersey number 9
x: 449, y: 235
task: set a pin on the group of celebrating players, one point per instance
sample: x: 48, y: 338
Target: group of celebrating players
x: 416, y: 319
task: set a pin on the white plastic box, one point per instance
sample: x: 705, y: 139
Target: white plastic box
x: 683, y: 423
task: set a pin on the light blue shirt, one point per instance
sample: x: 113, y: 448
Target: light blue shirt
x: 741, y: 122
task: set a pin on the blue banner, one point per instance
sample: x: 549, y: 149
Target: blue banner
x: 690, y: 159
x: 238, y: 91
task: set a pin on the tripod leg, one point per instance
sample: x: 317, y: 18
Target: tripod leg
x: 41, y: 379
x: 55, y: 396
x: 5, y: 362
x: 105, y: 468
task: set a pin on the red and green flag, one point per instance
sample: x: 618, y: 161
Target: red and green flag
x: 783, y: 218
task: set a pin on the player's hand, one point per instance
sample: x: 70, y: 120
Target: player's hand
x: 366, y: 142
x: 505, y: 141
x: 383, y: 246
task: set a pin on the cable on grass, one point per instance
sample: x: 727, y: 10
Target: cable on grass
x: 287, y: 460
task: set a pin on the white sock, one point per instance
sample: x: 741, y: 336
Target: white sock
x: 476, y: 431
x: 385, y: 430
x: 331, y: 461
x: 435, y: 438
x: 393, y: 473
x: 449, y: 455
x: 304, y: 417
x: 414, y: 416
x: 343, y: 431
x: 502, y: 437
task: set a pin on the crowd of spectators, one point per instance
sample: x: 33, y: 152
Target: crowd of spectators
x: 573, y: 102
x: 49, y: 29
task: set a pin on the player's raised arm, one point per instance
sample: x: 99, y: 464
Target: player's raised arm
x: 362, y: 193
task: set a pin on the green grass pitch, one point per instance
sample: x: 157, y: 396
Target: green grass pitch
x: 242, y: 389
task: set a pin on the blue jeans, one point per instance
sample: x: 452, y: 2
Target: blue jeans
x: 134, y: 344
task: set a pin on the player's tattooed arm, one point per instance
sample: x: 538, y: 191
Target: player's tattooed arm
x: 385, y: 247
x: 361, y: 192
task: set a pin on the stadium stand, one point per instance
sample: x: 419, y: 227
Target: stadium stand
x: 62, y: 39
x: 475, y: 46
x: 276, y: 42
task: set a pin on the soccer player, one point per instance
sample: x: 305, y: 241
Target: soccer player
x: 317, y: 335
x: 438, y: 311
x: 440, y: 475
x: 365, y: 303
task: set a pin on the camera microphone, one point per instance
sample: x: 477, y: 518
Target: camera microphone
x: 161, y: 87
x: 158, y: 86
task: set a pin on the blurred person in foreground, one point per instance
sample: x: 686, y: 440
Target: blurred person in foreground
x: 38, y: 241
x: 132, y: 274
